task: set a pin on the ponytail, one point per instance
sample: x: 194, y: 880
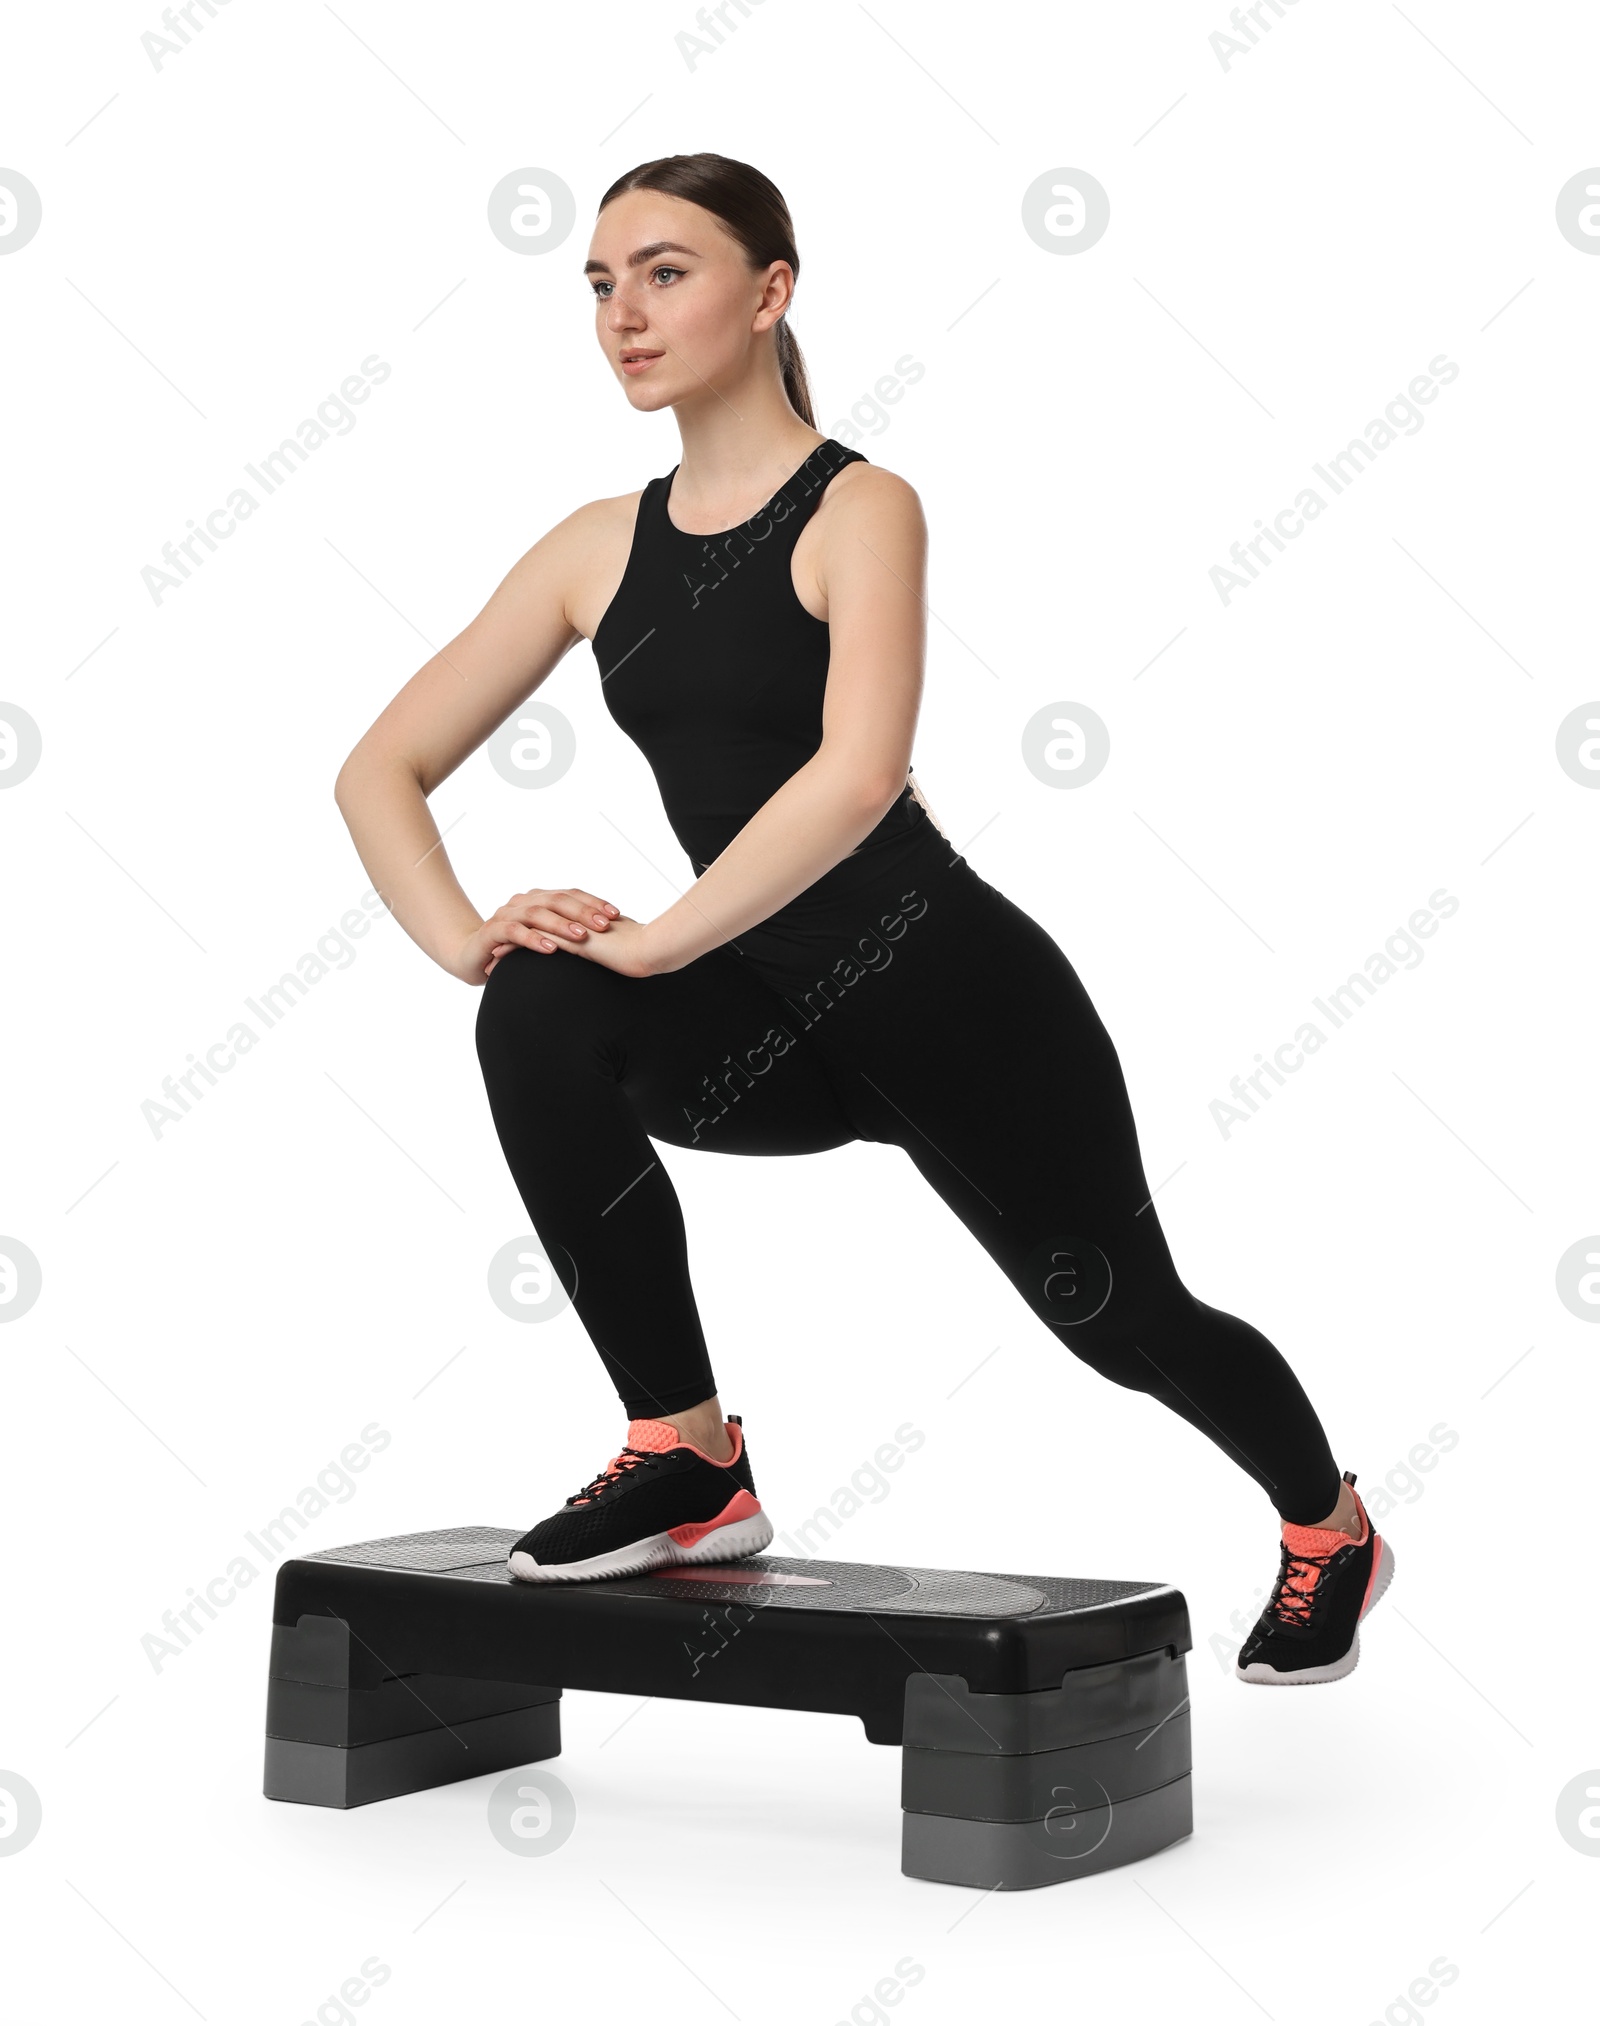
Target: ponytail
x: 793, y: 365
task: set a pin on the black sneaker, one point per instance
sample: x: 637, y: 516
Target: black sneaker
x: 1327, y: 1583
x: 659, y: 1500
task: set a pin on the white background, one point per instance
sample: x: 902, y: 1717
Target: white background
x: 225, y: 1306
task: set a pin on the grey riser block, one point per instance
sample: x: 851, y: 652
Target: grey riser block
x: 1011, y: 1856
x: 315, y: 1714
x: 1092, y: 1704
x: 1026, y: 1786
x: 349, y: 1776
x: 320, y: 1650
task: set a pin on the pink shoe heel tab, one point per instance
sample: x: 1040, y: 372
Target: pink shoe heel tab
x: 1365, y: 1534
x: 735, y: 1435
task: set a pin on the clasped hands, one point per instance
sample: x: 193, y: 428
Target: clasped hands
x: 554, y: 920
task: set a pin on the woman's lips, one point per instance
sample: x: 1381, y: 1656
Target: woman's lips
x: 638, y: 362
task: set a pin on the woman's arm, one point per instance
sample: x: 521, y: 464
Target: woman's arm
x: 871, y: 563
x: 447, y: 709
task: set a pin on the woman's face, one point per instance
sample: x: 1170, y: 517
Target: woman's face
x: 677, y: 307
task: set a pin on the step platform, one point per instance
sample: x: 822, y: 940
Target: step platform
x: 1042, y: 1720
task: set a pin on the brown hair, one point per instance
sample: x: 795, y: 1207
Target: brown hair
x: 752, y: 208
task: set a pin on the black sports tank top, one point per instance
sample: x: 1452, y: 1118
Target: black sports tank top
x: 716, y: 671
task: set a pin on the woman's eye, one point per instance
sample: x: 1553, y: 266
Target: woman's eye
x: 602, y: 289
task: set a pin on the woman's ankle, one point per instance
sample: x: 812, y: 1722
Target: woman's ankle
x: 703, y: 1425
x: 1346, y: 1515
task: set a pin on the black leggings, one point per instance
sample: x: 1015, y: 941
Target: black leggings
x: 961, y: 1035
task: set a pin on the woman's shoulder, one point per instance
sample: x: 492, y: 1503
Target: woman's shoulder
x: 862, y: 494
x: 589, y: 550
x: 586, y: 539
x: 597, y: 518
x: 867, y: 481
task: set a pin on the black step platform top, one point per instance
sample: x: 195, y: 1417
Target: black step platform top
x: 769, y: 1630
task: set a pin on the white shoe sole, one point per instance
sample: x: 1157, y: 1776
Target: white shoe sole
x: 1336, y: 1670
x: 727, y: 1544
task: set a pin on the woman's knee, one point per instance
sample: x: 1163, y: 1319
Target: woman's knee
x: 545, y: 1002
x: 1119, y: 1307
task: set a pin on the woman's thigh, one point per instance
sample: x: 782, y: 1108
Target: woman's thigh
x: 979, y: 1051
x: 706, y: 1057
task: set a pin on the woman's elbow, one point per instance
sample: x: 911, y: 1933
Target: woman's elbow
x: 863, y: 781
x: 881, y: 791
x: 354, y: 779
x: 367, y: 758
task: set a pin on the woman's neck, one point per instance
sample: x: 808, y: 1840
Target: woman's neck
x: 738, y: 448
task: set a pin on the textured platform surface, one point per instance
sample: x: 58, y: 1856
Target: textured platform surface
x: 478, y: 1554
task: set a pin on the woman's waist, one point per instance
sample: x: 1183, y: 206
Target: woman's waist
x: 904, y: 850
x: 860, y: 909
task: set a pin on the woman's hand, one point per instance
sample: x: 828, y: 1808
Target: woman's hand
x: 623, y: 948
x: 546, y: 919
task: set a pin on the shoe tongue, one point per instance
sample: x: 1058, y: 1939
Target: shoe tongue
x: 652, y: 1435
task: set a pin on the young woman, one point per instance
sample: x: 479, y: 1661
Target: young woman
x: 836, y: 971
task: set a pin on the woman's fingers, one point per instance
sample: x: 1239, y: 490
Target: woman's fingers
x: 542, y: 929
x: 546, y: 918
x: 552, y: 920
x: 561, y: 913
x: 587, y: 907
x: 577, y: 904
x: 526, y: 917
